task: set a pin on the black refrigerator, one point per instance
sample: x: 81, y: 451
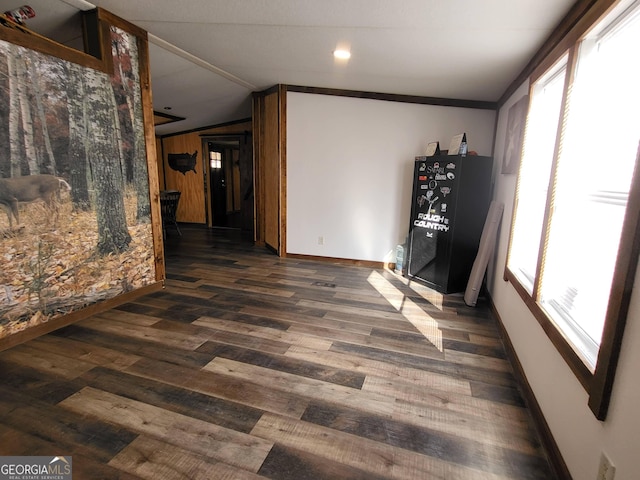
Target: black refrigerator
x: 449, y: 205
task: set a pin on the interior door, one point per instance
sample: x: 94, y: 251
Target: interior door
x: 270, y: 125
x: 218, y: 185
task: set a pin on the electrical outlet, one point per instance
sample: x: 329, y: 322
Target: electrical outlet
x: 321, y: 240
x: 606, y: 470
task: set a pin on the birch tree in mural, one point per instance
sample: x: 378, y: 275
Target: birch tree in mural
x: 78, y: 139
x: 113, y: 236
x: 140, y: 172
x: 126, y: 87
x: 25, y: 115
x: 14, y: 113
x: 47, y: 159
x: 30, y: 145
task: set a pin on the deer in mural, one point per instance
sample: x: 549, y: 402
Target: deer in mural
x: 29, y: 189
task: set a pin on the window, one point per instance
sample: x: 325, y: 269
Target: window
x: 215, y: 160
x: 535, y: 171
x: 573, y: 224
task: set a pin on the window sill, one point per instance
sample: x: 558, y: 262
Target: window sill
x: 566, y: 351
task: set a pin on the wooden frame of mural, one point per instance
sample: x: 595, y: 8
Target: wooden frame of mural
x: 79, y: 179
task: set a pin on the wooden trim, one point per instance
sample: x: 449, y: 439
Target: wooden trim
x: 241, y: 137
x: 445, y: 102
x: 619, y: 299
x: 270, y: 169
x: 282, y: 136
x: 571, y: 28
x: 104, y: 32
x: 160, y: 163
x: 208, y: 127
x: 553, y: 451
x: 267, y: 92
x: 33, y: 41
x: 550, y: 62
x: 570, y: 356
x: 258, y: 170
x: 493, y: 146
x: 121, y: 23
x: 206, y: 176
x: 97, y: 40
x: 577, y: 11
x: 68, y: 319
x: 165, y: 118
x: 152, y: 155
x: 339, y: 261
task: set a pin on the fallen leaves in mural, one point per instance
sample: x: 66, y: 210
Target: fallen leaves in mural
x: 50, y: 265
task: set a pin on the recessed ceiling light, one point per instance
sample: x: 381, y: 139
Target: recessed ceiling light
x: 342, y: 54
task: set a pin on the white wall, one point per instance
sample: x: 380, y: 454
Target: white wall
x: 350, y: 166
x: 580, y: 437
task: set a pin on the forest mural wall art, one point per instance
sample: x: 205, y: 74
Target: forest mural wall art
x: 73, y: 182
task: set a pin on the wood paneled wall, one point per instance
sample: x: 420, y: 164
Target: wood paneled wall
x: 191, y: 208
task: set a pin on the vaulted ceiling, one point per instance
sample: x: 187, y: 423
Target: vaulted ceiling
x: 208, y: 56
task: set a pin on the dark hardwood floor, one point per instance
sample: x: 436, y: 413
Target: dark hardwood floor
x: 251, y: 366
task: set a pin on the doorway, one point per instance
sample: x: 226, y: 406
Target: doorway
x: 229, y: 181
